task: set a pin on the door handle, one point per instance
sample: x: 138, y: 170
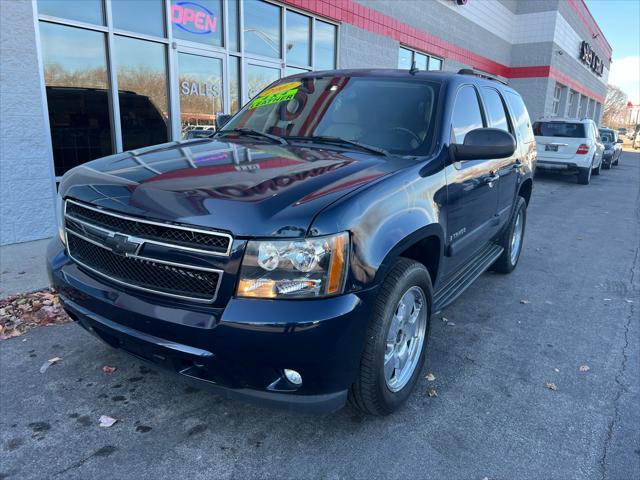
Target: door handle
x: 492, y: 178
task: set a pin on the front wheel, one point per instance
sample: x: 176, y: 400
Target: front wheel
x: 396, y: 340
x: 512, y: 239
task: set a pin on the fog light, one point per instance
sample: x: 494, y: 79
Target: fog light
x: 293, y: 376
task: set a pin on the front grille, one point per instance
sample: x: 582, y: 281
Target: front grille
x: 210, y: 242
x: 143, y: 273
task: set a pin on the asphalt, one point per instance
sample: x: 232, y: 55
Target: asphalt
x: 573, y: 300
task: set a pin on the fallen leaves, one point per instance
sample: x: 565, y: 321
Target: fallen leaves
x: 584, y: 368
x: 430, y: 377
x: 108, y: 369
x: 107, y: 421
x: 432, y: 392
x: 48, y: 363
x: 20, y: 313
x: 551, y: 386
x: 525, y: 302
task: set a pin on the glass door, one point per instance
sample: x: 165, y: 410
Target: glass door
x: 201, y: 91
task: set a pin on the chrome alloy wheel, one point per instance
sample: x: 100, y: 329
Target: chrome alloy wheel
x: 405, y: 338
x: 516, y: 238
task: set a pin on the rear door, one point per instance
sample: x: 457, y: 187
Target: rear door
x: 559, y: 140
x: 472, y: 187
x: 507, y: 168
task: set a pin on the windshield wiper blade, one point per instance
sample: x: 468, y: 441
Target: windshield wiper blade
x: 341, y: 141
x: 254, y: 133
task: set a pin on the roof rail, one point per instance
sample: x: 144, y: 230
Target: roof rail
x: 481, y: 74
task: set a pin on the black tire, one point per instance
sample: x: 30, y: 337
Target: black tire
x: 584, y: 176
x: 370, y: 393
x: 607, y: 165
x: 596, y: 170
x: 506, y: 262
x: 617, y: 161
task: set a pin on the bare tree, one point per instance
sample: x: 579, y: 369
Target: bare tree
x: 615, y: 105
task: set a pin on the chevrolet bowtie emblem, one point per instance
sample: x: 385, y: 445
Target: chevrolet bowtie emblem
x: 122, y: 244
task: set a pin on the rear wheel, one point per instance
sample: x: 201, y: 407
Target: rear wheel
x: 596, y: 170
x: 512, y: 239
x: 584, y: 176
x: 396, y: 340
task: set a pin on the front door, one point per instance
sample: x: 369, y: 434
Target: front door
x: 200, y: 88
x: 472, y: 189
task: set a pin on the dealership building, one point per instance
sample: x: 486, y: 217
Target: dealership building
x: 84, y: 79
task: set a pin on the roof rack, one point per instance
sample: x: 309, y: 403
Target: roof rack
x: 481, y: 74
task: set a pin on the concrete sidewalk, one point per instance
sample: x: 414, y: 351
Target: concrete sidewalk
x: 23, y: 268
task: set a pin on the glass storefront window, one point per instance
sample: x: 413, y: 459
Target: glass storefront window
x: 233, y: 21
x: 258, y: 77
x: 421, y: 61
x: 200, y: 87
x: 293, y: 70
x: 435, y: 63
x: 325, y: 46
x: 143, y: 16
x: 142, y: 91
x: 405, y: 59
x: 197, y: 21
x: 262, y: 29
x: 90, y: 11
x: 234, y: 84
x: 77, y: 85
x: 298, y: 47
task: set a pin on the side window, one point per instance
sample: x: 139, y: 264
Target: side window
x: 496, y: 115
x: 521, y: 117
x: 466, y: 114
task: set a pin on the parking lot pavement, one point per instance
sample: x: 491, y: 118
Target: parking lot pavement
x: 573, y: 301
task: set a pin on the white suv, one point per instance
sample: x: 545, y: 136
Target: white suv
x: 565, y: 144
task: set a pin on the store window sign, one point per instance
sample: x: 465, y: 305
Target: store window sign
x: 193, y: 18
x: 199, y: 89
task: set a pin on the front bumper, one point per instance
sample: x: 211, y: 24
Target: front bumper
x: 239, y: 350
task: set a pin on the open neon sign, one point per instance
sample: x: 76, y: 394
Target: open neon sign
x: 193, y: 18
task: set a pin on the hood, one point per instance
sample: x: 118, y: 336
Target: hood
x: 248, y: 189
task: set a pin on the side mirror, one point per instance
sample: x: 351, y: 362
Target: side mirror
x: 485, y: 144
x: 222, y: 119
x: 619, y: 141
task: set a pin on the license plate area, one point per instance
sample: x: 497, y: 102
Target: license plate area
x: 551, y: 148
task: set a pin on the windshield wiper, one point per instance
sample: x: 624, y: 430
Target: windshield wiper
x: 253, y: 133
x: 340, y: 141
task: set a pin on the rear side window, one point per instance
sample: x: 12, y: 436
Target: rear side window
x: 466, y: 114
x: 559, y: 129
x: 496, y: 115
x: 521, y: 117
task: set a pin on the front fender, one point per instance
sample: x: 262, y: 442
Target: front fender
x: 384, y: 219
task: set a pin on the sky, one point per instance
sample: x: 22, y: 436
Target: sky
x: 619, y: 20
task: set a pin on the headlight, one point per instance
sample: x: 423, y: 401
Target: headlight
x: 60, y: 217
x: 299, y: 268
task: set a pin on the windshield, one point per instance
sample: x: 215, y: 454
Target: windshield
x: 606, y: 136
x: 559, y: 129
x: 396, y: 115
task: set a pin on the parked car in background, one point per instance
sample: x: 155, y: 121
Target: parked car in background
x: 612, y: 147
x: 298, y: 257
x: 572, y: 145
x: 622, y: 131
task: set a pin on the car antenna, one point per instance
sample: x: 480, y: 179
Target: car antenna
x: 414, y: 69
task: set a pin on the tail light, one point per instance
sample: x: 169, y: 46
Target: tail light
x: 583, y: 149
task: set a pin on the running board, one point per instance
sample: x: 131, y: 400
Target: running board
x: 465, y: 277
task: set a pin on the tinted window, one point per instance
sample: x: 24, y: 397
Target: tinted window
x: 466, y: 114
x: 520, y: 116
x: 559, y: 129
x: 77, y: 94
x: 394, y: 114
x: 607, y: 136
x: 262, y: 29
x: 144, y: 16
x: 325, y: 46
x: 298, y: 47
x: 142, y: 86
x: 197, y: 21
x: 89, y: 11
x: 496, y: 115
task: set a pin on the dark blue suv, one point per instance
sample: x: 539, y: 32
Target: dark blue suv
x: 298, y: 256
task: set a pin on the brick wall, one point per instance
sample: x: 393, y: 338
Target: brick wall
x: 26, y: 173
